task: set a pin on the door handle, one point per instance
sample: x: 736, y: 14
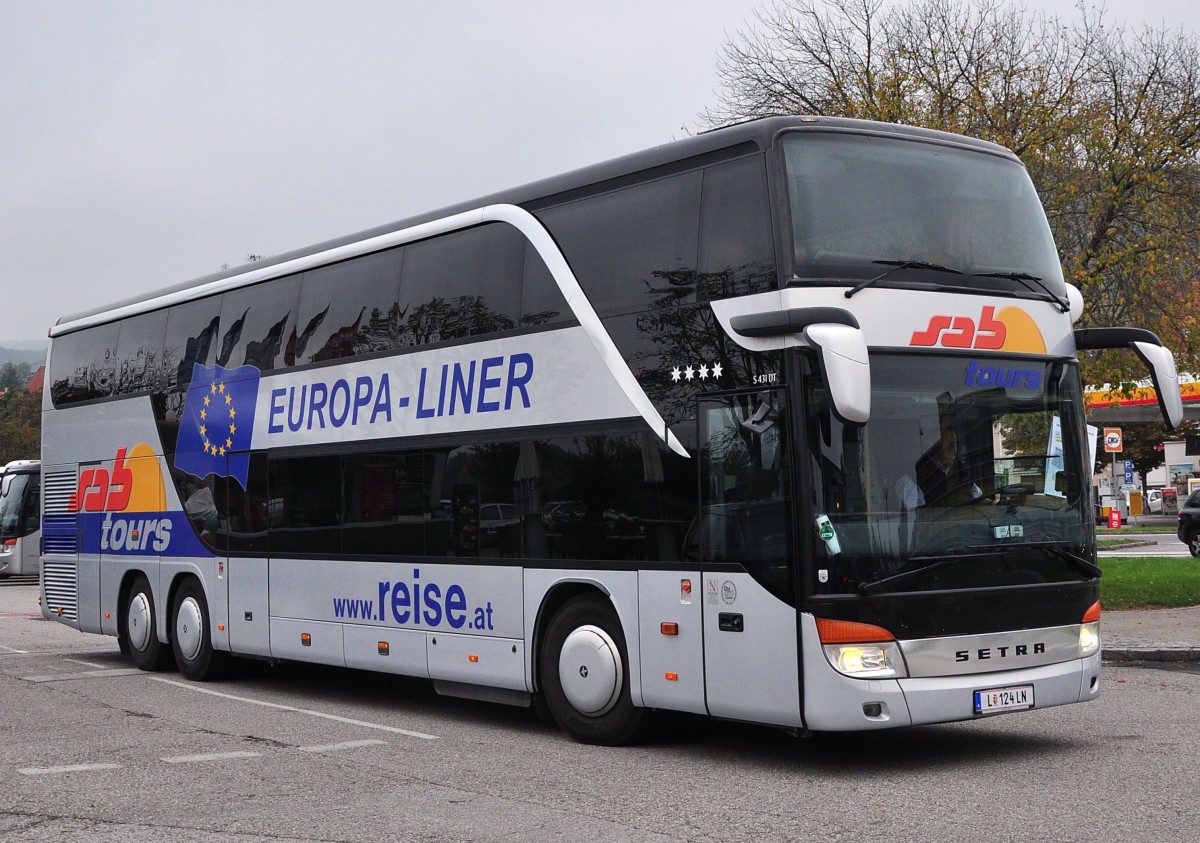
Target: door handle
x: 730, y: 622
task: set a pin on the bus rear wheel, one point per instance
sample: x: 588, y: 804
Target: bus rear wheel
x: 191, y: 638
x: 137, y: 634
x: 585, y: 674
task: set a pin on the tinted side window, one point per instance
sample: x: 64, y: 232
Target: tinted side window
x: 256, y: 322
x: 387, y: 498
x: 347, y: 308
x: 306, y: 505
x: 625, y: 245
x: 466, y: 283
x: 467, y: 481
x: 736, y: 247
x: 141, y: 365
x: 193, y: 335
x: 542, y: 302
x: 83, y: 364
x: 618, y: 497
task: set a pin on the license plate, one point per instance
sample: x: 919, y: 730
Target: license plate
x: 995, y: 700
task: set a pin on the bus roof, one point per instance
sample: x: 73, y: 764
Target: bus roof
x: 707, y: 147
x: 29, y: 466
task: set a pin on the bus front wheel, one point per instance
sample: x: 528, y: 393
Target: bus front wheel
x: 585, y: 674
x: 191, y: 638
x: 137, y: 634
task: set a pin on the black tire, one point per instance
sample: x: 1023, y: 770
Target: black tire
x: 584, y: 642
x: 1194, y: 543
x: 137, y: 628
x: 191, y: 638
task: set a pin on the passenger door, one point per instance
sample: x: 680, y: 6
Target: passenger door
x: 743, y: 540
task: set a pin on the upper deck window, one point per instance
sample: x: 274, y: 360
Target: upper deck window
x: 862, y: 204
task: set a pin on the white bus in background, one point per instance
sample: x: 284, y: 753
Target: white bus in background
x: 810, y: 386
x: 20, y: 517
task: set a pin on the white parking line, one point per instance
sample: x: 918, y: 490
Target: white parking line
x: 210, y: 756
x: 85, y: 664
x: 86, y: 674
x: 336, y: 747
x: 364, y: 723
x: 66, y: 768
x: 14, y: 650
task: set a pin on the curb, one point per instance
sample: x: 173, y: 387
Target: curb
x: 1150, y: 654
x: 1123, y: 544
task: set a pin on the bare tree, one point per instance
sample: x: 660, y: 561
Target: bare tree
x: 1107, y: 121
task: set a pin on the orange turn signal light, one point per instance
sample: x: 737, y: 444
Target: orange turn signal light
x: 1093, y: 613
x: 850, y: 632
x: 669, y: 628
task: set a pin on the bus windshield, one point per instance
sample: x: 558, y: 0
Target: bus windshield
x: 969, y: 474
x: 12, y: 500
x: 862, y: 206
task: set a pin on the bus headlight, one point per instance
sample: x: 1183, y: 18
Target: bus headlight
x: 861, y: 650
x: 1089, y: 632
x: 1089, y: 639
x: 866, y: 661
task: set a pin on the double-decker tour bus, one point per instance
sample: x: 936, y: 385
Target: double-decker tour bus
x: 781, y: 423
x: 20, y: 517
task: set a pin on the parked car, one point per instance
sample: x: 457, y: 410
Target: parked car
x: 1189, y: 523
x: 1160, y: 501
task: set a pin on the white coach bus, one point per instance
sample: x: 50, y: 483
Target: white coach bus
x: 780, y: 423
x: 20, y: 518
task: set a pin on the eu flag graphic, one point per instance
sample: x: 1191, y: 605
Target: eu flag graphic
x: 218, y: 422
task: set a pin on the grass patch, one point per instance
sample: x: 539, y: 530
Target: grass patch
x: 1136, y: 582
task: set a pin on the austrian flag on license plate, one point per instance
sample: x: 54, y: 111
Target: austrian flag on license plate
x: 995, y: 700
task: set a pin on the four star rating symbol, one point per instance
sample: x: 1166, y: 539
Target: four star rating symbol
x: 691, y: 372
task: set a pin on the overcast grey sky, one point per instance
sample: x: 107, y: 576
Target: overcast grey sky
x: 146, y: 143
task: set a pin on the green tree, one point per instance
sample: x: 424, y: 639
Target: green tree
x: 14, y: 375
x: 1106, y: 119
x: 20, y: 425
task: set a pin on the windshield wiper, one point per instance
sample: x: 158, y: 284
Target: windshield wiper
x: 1062, y: 553
x: 875, y: 586
x: 1027, y: 280
x: 896, y: 266
x: 977, y: 552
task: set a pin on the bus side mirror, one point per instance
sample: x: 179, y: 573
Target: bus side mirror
x: 1161, y: 364
x: 842, y: 351
x: 1157, y: 358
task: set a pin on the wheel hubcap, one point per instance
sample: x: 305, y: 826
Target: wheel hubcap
x: 189, y: 628
x: 137, y: 622
x: 589, y: 669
